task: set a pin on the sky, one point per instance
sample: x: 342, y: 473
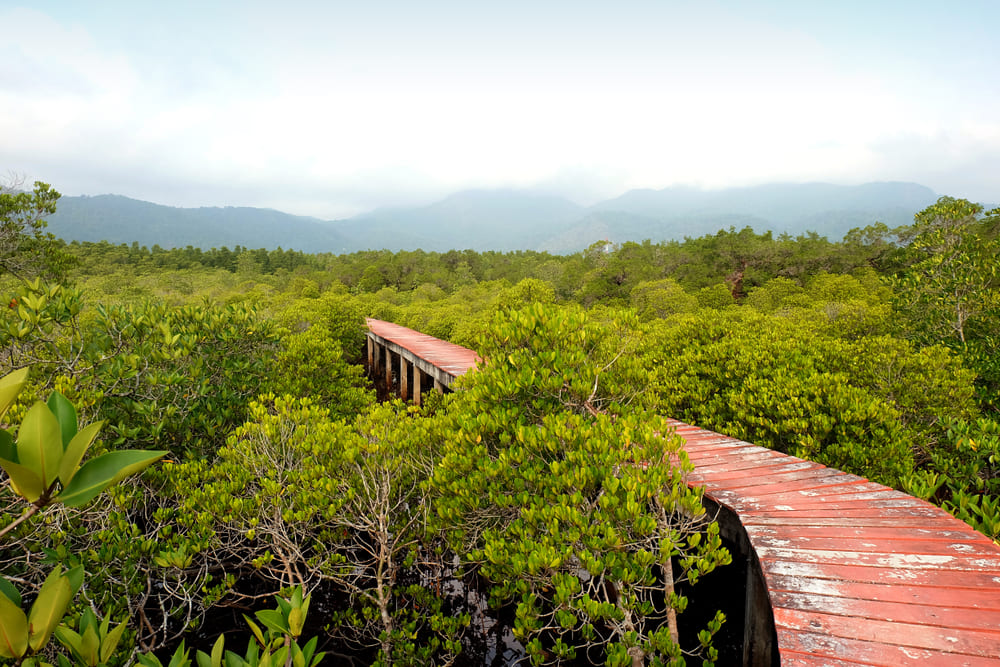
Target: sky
x: 333, y: 108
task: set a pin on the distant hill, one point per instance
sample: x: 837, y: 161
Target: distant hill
x: 478, y: 219
x: 500, y: 220
x: 830, y: 210
x: 122, y: 220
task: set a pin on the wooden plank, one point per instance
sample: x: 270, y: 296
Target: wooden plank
x: 857, y: 573
x: 891, y: 633
x: 941, y: 616
x: 761, y: 469
x: 781, y: 482
x: 796, y: 659
x: 912, y: 547
x: 866, y: 573
x: 865, y: 533
x: 922, y: 595
x: 933, y: 521
x: 882, y: 559
x: 873, y: 653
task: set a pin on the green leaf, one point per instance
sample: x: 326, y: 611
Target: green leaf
x: 65, y: 414
x: 75, y: 451
x: 256, y: 630
x: 274, y: 620
x: 203, y: 659
x: 217, y: 651
x: 48, y: 608
x: 7, y: 449
x: 26, y: 483
x: 13, y: 630
x: 69, y: 638
x: 111, y: 641
x: 90, y: 644
x: 10, y: 386
x: 75, y: 577
x: 296, y: 619
x: 39, y: 443
x: 7, y: 588
x: 99, y: 473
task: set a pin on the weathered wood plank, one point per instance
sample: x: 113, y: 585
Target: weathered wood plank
x: 857, y: 573
x: 940, y: 616
x: 892, y: 633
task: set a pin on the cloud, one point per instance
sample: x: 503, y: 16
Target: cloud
x: 329, y: 110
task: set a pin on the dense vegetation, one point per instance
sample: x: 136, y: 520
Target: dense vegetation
x: 521, y: 502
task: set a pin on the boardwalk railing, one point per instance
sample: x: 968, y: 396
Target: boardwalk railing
x: 841, y: 571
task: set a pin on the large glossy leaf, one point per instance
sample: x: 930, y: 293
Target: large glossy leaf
x: 48, y: 608
x: 39, y: 443
x: 76, y: 450
x: 65, y: 414
x: 99, y: 473
x: 26, y: 483
x: 13, y: 630
x: 10, y: 387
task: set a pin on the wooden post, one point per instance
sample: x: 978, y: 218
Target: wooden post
x: 370, y: 342
x: 388, y: 371
x: 418, y: 384
x: 438, y: 386
x: 404, y: 378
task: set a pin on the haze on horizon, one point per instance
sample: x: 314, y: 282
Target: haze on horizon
x: 333, y: 108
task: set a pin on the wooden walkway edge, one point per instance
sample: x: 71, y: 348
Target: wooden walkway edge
x: 856, y: 573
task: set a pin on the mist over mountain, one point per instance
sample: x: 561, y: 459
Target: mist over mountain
x: 501, y: 220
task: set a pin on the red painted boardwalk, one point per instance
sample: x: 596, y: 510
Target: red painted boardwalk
x: 452, y: 359
x: 857, y: 573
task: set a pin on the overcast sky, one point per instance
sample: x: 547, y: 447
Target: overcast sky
x: 334, y: 108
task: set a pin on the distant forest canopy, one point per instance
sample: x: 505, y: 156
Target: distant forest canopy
x: 605, y: 272
x: 500, y: 220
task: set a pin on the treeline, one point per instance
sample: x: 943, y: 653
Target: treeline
x: 604, y: 272
x: 515, y: 503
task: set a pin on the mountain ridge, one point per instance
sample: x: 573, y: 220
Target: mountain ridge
x: 499, y: 219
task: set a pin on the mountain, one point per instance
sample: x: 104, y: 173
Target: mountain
x: 830, y: 210
x: 477, y: 219
x: 122, y: 220
x: 501, y: 220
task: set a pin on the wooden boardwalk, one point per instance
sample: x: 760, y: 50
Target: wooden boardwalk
x: 854, y: 573
x: 454, y: 360
x: 857, y: 573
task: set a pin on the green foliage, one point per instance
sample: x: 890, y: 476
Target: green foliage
x: 555, y: 435
x: 26, y: 250
x: 44, y: 464
x: 660, y: 298
x: 26, y: 635
x: 715, y: 296
x: 298, y: 497
x: 949, y: 291
x: 175, y: 377
x: 865, y: 406
x: 311, y: 363
x: 92, y: 644
x: 565, y: 494
x: 964, y: 475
